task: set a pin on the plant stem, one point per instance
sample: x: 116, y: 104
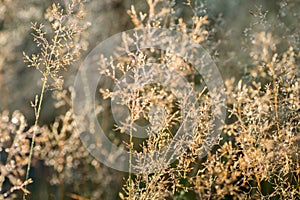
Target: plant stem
x: 130, y: 161
x: 276, y: 105
x: 37, y: 116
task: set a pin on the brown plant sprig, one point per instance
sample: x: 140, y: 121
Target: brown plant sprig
x: 259, y: 154
x: 58, y: 50
x: 265, y: 148
x: 166, y: 117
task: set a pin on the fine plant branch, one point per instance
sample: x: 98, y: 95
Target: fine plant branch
x: 130, y: 181
x: 54, y: 56
x: 38, y: 110
x: 35, y: 131
x: 21, y: 187
x: 275, y: 91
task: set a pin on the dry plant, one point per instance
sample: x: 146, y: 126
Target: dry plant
x: 262, y: 158
x: 57, y: 145
x: 145, y: 92
x: 59, y: 49
x: 257, y: 156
